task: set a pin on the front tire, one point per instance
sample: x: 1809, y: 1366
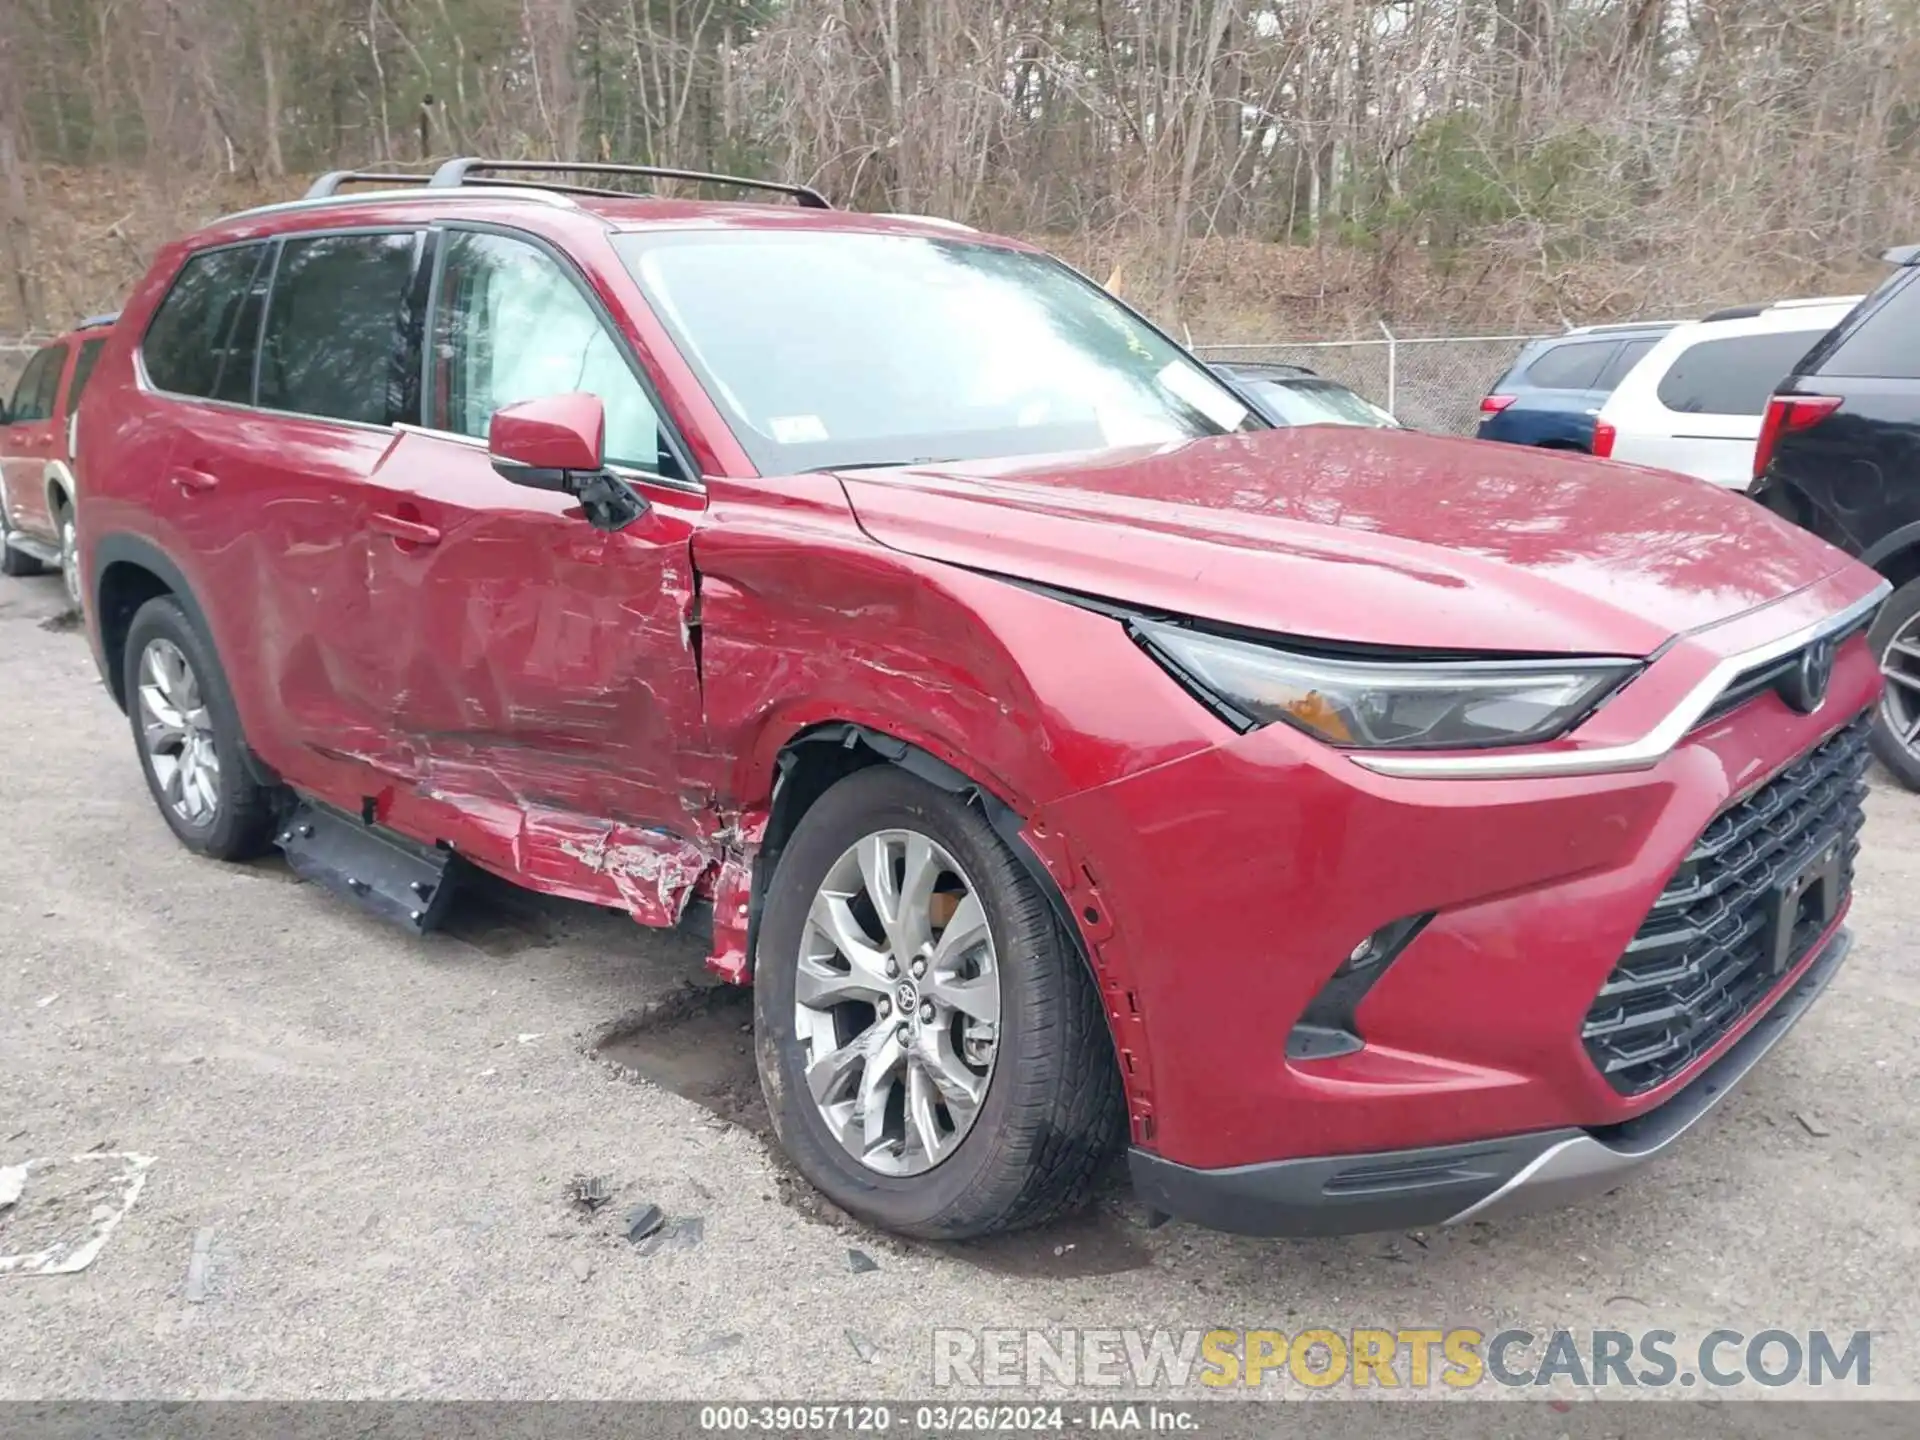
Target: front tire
x: 987, y: 1098
x: 187, y: 734
x: 1895, y: 639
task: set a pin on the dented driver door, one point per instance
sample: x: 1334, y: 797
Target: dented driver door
x: 540, y: 682
x: 539, y: 673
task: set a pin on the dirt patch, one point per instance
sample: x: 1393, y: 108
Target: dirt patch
x: 65, y: 620
x: 1100, y: 1240
x: 698, y: 1043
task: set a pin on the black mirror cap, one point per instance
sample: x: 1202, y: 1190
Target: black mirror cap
x: 561, y: 482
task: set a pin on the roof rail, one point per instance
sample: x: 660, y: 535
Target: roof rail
x: 95, y: 321
x: 1902, y: 255
x: 330, y: 183
x: 1613, y: 326
x: 544, y: 195
x: 472, y: 170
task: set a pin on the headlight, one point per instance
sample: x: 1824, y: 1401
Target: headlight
x: 1386, y: 704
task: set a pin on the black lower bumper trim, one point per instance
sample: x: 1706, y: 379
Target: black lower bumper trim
x: 1444, y: 1184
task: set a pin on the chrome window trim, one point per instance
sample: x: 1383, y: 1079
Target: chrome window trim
x: 1641, y: 754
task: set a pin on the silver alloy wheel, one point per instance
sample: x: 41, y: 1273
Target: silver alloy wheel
x: 897, y: 1002
x: 1900, y: 703
x: 177, y: 733
x: 70, y: 559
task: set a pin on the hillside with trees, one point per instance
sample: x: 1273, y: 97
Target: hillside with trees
x: 1250, y: 167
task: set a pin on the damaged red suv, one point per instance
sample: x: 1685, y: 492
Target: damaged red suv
x: 1364, y: 828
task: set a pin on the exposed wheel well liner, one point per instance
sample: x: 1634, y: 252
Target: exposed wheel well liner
x: 815, y: 759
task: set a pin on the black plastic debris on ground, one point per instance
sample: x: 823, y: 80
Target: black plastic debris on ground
x: 683, y: 1232
x: 859, y: 1262
x: 589, y: 1192
x: 642, y: 1221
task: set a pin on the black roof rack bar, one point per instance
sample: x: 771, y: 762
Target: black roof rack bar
x: 330, y: 183
x: 470, y: 170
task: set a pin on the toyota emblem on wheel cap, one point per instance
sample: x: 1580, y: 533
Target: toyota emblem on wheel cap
x: 1805, y: 686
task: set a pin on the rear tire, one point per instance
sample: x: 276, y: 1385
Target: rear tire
x: 69, y: 554
x: 1051, y: 1111
x: 183, y: 717
x: 1895, y: 639
x: 12, y: 562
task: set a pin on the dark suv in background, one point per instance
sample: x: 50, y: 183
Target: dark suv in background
x: 1554, y: 389
x: 1839, y: 453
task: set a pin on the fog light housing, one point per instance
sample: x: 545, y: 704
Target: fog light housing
x: 1326, y: 1027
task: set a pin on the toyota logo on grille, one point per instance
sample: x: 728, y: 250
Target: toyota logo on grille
x: 1805, y: 686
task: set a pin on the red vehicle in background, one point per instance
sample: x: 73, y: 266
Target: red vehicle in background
x: 1366, y: 828
x: 37, y: 428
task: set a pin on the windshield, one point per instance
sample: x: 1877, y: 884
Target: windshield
x: 828, y: 349
x: 1316, y: 402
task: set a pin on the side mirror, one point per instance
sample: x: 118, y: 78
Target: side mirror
x: 558, y: 442
x: 543, y: 442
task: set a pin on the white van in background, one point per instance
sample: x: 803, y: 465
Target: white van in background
x: 1695, y: 402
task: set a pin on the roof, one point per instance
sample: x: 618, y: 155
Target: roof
x: 615, y: 212
x: 1806, y: 302
x: 509, y: 183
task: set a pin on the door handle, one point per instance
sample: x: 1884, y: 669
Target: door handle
x: 188, y: 480
x: 400, y: 528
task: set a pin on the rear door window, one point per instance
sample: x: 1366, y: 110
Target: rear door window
x: 1734, y: 376
x: 1886, y: 345
x: 186, y: 345
x: 1576, y: 366
x: 332, y: 341
x: 1632, y: 352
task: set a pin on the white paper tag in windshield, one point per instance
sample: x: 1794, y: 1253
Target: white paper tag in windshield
x: 797, y: 429
x: 1183, y: 382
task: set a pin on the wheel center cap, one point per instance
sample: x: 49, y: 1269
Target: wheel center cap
x: 908, y: 995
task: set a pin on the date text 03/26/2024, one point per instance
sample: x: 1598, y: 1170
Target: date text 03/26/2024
x: 948, y: 1419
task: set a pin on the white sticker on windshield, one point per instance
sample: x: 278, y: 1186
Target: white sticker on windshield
x: 797, y: 429
x: 1186, y: 383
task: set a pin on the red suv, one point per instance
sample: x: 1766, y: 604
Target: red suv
x: 1371, y: 828
x: 36, y: 455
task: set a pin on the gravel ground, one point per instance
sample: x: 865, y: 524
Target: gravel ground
x: 378, y: 1132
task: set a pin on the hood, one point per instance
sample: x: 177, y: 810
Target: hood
x: 1373, y: 537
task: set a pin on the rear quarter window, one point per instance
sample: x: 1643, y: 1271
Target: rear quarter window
x: 1885, y: 343
x: 1576, y: 366
x: 33, y: 396
x: 187, y: 342
x: 83, y: 371
x: 1632, y: 352
x: 1734, y: 376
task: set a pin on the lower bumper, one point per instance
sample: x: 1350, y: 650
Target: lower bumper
x: 1446, y: 1184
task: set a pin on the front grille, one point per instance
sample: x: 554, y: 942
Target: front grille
x: 1714, y: 942
x: 1752, y: 683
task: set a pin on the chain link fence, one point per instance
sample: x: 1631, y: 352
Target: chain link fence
x: 1431, y: 382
